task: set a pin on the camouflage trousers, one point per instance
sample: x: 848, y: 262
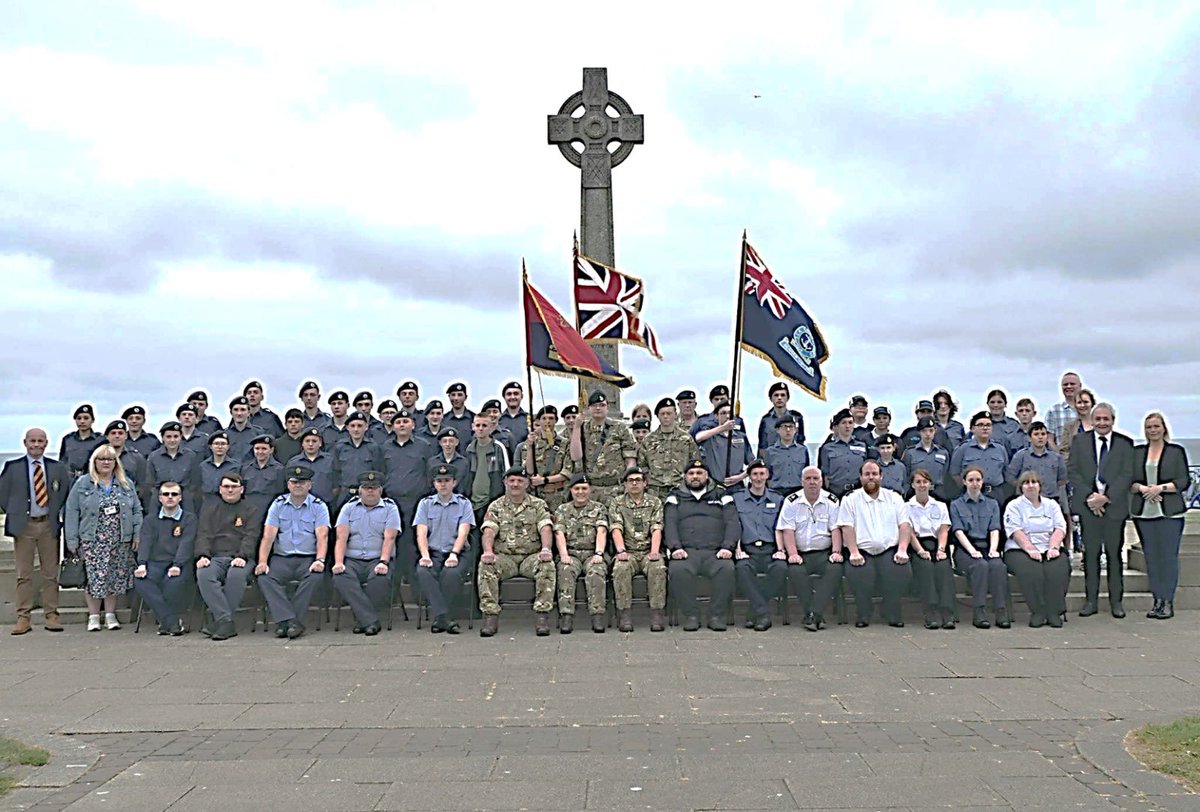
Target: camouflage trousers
x: 661, y: 491
x: 656, y: 579
x: 509, y: 566
x: 595, y: 579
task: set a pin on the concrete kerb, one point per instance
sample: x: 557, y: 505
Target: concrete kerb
x: 1103, y: 746
x: 70, y: 757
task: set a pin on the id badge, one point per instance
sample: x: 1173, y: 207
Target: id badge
x: 110, y: 510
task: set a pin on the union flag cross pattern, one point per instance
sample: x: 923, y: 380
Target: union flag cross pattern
x: 762, y: 284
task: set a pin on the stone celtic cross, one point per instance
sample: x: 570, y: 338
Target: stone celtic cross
x: 584, y: 120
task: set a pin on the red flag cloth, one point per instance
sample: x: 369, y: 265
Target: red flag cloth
x: 552, y: 345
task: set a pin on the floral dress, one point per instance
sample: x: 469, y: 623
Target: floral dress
x: 108, y: 559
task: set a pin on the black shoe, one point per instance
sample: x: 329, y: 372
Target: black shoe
x: 541, y: 624
x: 359, y: 629
x: 491, y: 624
x: 179, y: 628
x: 599, y: 623
x: 208, y: 627
x: 164, y: 630
x: 281, y: 629
x: 372, y: 630
x: 1169, y: 611
x: 691, y: 624
x: 1118, y: 611
x: 1002, y: 619
x: 810, y: 622
x: 931, y: 621
x: 1156, y: 612
x: 762, y: 624
x: 861, y: 624
x: 451, y: 627
x: 295, y: 629
x: 981, y: 621
x: 439, y: 624
x: 1037, y: 621
x: 896, y: 624
x: 224, y: 630
x: 1089, y: 609
x: 749, y: 622
x: 566, y: 624
x: 1055, y: 621
x: 948, y: 620
x: 716, y: 624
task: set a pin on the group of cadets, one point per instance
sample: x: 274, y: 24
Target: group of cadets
x: 439, y: 494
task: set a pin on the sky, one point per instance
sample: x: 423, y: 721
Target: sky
x: 964, y: 195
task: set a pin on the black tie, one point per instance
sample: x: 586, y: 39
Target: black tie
x: 1100, y: 460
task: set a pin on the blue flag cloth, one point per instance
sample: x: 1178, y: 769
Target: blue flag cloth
x: 776, y: 327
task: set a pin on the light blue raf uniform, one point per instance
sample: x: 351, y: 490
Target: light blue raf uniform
x: 293, y: 554
x: 360, y: 586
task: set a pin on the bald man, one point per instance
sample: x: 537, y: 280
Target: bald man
x: 33, y: 489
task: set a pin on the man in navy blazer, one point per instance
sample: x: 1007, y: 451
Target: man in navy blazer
x: 1100, y: 471
x: 33, y: 489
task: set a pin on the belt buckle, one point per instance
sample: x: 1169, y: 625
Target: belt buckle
x: 758, y: 544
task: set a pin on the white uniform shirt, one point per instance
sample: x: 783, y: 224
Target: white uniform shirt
x: 813, y: 523
x: 876, y: 522
x: 1039, y: 523
x: 927, y: 520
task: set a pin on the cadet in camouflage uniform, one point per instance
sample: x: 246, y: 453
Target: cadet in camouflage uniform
x: 581, y: 536
x: 665, y: 451
x: 549, y: 453
x: 517, y: 533
x: 602, y: 449
x: 635, y: 522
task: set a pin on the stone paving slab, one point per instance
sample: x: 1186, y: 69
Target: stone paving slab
x: 845, y: 719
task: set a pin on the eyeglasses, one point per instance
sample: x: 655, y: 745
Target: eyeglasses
x: 105, y: 459
x: 171, y: 494
x: 230, y: 487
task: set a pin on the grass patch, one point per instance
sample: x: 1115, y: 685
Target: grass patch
x: 13, y: 752
x: 1173, y: 749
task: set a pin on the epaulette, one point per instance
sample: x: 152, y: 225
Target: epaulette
x: 671, y: 499
x: 387, y: 500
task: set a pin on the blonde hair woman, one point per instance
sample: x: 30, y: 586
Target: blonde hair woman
x: 1160, y: 478
x: 103, y: 516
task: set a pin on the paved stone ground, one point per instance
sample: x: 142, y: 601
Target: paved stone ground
x: 877, y: 718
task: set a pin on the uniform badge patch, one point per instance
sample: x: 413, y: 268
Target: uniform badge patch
x: 238, y: 522
x: 177, y: 532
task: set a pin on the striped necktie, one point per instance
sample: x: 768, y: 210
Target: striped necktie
x: 39, y: 485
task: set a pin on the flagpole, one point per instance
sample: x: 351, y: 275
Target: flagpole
x: 529, y: 447
x: 735, y: 405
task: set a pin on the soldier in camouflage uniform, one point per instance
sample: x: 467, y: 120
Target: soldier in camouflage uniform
x: 635, y: 521
x: 602, y: 449
x: 570, y: 416
x: 549, y: 451
x: 665, y: 451
x: 517, y: 533
x: 581, y: 535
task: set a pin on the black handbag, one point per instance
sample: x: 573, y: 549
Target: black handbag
x: 72, y: 574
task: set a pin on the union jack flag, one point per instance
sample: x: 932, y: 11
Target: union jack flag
x: 769, y: 291
x: 608, y: 306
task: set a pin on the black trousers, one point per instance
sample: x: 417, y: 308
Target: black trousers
x: 682, y: 574
x: 814, y: 581
x: 935, y: 579
x: 1102, y: 536
x: 443, y: 586
x: 1043, y: 583
x: 985, y: 575
x: 775, y: 581
x: 880, y: 573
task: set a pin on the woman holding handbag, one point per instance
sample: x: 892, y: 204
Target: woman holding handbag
x: 103, y: 516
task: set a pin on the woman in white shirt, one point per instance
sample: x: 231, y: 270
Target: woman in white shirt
x: 930, y: 521
x: 1035, y: 529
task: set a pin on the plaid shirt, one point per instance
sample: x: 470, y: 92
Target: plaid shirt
x: 1058, y: 417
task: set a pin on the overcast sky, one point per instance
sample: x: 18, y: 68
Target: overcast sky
x: 196, y: 194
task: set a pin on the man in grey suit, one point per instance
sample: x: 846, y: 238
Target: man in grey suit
x: 33, y: 489
x: 1100, y: 471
